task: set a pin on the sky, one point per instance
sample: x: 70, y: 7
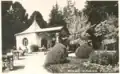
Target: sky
x: 45, y: 6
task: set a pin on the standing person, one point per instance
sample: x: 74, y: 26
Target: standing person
x: 45, y: 49
x: 26, y: 49
x: 15, y: 52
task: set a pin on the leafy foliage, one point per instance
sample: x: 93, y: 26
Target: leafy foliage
x: 56, y: 55
x: 77, y: 65
x: 36, y: 15
x: 64, y: 32
x: 74, y: 18
x: 6, y: 5
x: 103, y: 58
x: 73, y: 47
x: 13, y: 21
x: 99, y: 14
x: 34, y: 48
x: 56, y: 17
x: 83, y: 51
x: 97, y: 68
x: 108, y: 28
x: 98, y: 11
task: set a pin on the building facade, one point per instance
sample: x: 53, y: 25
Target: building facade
x: 35, y: 35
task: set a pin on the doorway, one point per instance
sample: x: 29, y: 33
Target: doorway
x: 44, y: 42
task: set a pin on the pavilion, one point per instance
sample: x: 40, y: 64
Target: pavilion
x: 35, y: 35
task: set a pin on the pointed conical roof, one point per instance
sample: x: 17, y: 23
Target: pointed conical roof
x: 33, y: 28
x: 36, y: 28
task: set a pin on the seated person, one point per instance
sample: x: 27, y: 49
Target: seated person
x: 22, y: 52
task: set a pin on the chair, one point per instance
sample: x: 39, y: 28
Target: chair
x: 8, y: 62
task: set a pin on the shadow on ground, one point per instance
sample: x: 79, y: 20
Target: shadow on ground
x: 14, y: 69
x: 18, y: 67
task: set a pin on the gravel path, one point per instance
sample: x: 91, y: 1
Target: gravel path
x: 30, y: 64
x: 35, y: 65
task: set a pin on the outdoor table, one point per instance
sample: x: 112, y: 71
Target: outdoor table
x: 7, y: 61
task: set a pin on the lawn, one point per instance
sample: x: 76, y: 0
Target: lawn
x: 77, y: 65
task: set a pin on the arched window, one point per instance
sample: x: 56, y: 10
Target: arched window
x: 25, y: 41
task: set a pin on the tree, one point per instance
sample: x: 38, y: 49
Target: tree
x: 75, y: 19
x: 36, y: 15
x: 19, y: 17
x: 56, y: 17
x: 98, y: 11
x: 13, y: 21
x: 6, y: 5
x: 70, y: 17
x: 5, y: 28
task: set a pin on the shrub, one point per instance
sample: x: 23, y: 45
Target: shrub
x: 100, y: 68
x: 82, y: 67
x: 103, y: 58
x: 57, y: 54
x: 73, y: 47
x: 34, y: 48
x: 83, y: 51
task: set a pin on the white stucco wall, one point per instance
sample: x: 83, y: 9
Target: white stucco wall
x: 38, y: 37
x: 32, y: 39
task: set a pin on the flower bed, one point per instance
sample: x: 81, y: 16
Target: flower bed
x: 103, y: 57
x: 77, y: 65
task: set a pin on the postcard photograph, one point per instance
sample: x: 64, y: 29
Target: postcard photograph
x: 59, y: 36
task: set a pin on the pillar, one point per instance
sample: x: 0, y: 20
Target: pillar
x: 57, y: 37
